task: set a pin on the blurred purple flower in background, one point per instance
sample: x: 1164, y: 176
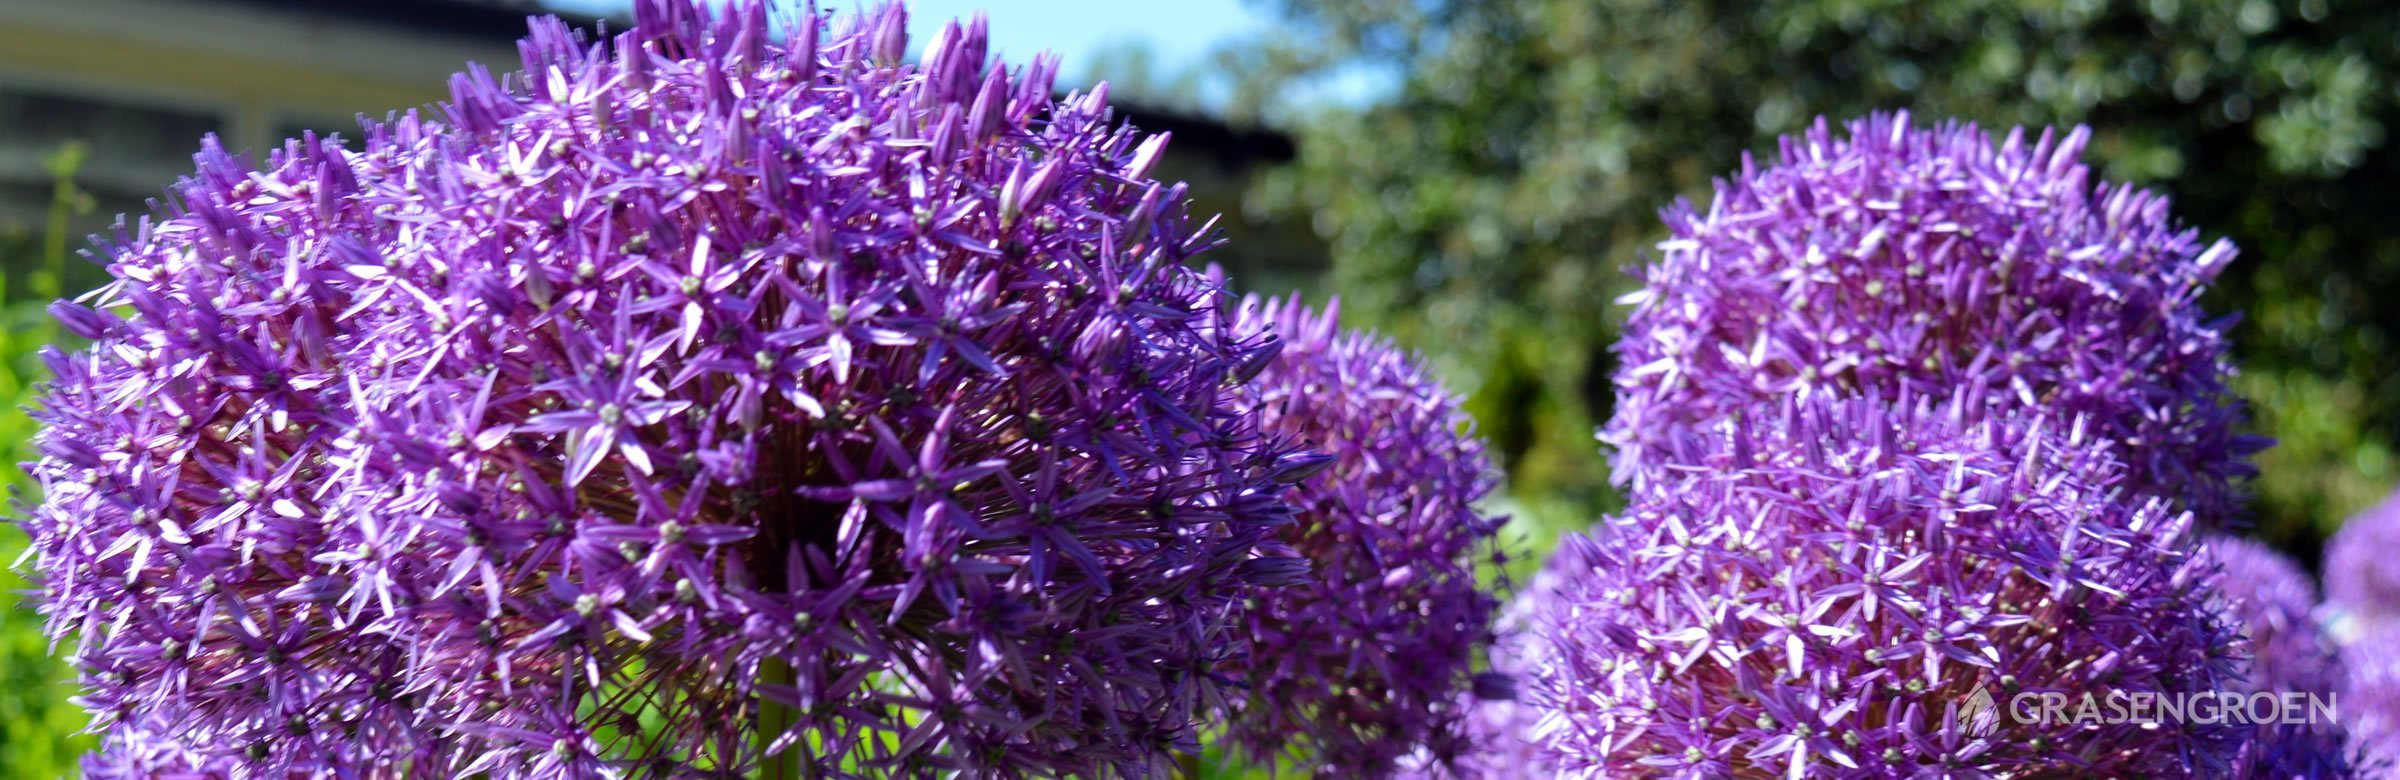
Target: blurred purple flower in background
x: 1356, y: 669
x: 1830, y: 582
x: 2273, y: 604
x: 665, y: 393
x: 1891, y: 258
x: 2362, y: 616
x: 2361, y: 581
x: 2370, y: 692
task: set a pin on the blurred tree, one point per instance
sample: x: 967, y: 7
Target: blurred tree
x: 1133, y: 72
x: 1485, y: 208
x: 38, y: 725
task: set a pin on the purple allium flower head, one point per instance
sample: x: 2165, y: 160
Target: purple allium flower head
x: 2273, y: 604
x: 1361, y: 666
x: 1902, y: 259
x: 1845, y: 588
x: 665, y: 392
x: 2361, y: 584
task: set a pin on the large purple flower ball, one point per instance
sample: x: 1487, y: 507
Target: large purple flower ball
x: 1845, y: 588
x: 1892, y: 258
x: 710, y: 394
x: 1367, y: 661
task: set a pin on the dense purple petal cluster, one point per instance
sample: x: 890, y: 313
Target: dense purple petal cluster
x: 663, y: 392
x: 158, y: 747
x: 1832, y: 585
x: 1897, y: 259
x: 1369, y: 660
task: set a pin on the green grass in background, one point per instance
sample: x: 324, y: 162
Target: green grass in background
x: 39, y: 727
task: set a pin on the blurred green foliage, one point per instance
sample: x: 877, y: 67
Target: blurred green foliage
x: 1487, y: 207
x: 38, y: 725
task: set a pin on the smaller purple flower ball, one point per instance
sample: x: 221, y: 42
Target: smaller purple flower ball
x: 1893, y: 258
x: 2362, y: 616
x: 1365, y: 661
x: 2273, y: 604
x: 2361, y: 582
x: 1850, y: 589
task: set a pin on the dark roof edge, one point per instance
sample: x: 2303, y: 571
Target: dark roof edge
x: 485, y: 20
x: 1233, y: 145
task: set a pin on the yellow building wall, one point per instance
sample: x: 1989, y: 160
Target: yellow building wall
x: 254, y: 94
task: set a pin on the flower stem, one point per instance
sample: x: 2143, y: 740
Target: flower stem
x: 775, y: 718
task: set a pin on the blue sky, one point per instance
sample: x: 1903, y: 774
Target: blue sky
x: 1180, y: 33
